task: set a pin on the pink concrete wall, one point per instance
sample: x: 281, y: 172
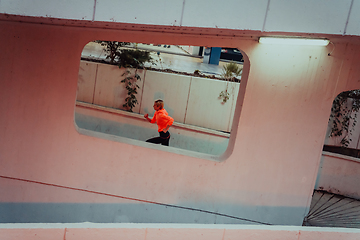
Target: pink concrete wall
x: 269, y: 174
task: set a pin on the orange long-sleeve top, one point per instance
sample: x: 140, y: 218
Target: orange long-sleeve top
x: 162, y: 119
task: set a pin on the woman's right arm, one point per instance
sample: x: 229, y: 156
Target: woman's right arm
x: 146, y: 116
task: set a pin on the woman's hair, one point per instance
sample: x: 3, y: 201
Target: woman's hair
x: 160, y: 103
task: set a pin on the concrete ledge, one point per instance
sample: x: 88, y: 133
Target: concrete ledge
x: 89, y: 225
x: 340, y: 156
x: 91, y: 231
x: 151, y: 146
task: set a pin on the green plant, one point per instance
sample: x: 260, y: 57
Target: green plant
x: 224, y: 95
x: 127, y: 58
x: 131, y: 87
x: 197, y: 72
x: 112, y: 48
x: 132, y: 59
x: 230, y: 72
x: 343, y: 115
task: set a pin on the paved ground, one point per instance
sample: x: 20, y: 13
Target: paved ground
x: 177, y: 58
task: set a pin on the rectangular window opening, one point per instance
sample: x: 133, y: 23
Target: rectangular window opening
x: 118, y: 83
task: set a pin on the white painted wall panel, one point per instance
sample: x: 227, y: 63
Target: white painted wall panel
x: 235, y: 88
x: 160, y: 12
x: 110, y: 91
x: 172, y: 88
x: 204, y: 95
x: 86, y: 81
x: 309, y: 16
x: 184, y: 96
x: 68, y: 9
x: 320, y: 16
x: 233, y: 14
x: 339, y: 174
x: 353, y: 27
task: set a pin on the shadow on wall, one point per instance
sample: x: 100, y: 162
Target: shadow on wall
x: 147, y: 213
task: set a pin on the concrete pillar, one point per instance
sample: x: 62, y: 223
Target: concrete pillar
x: 212, y: 55
x: 215, y: 55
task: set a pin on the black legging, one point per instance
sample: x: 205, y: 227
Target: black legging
x: 163, y: 139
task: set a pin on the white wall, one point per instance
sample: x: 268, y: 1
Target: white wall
x: 307, y: 16
x: 189, y: 100
x: 339, y: 174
